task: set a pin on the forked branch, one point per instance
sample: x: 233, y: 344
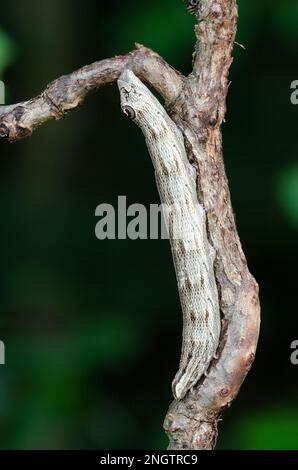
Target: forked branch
x: 197, y: 104
x: 69, y: 91
x: 200, y: 111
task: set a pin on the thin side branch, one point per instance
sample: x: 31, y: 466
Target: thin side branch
x: 69, y: 91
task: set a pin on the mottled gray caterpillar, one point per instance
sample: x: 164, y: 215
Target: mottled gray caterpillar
x: 192, y: 253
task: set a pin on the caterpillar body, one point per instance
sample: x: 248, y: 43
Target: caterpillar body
x: 193, y: 255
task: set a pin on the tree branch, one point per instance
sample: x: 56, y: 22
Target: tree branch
x: 200, y: 110
x: 197, y: 104
x: 69, y: 91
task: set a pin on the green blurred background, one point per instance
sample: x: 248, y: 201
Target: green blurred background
x: 92, y: 329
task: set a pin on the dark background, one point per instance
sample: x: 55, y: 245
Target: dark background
x: 92, y: 329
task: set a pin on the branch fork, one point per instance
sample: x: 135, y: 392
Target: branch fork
x: 197, y: 104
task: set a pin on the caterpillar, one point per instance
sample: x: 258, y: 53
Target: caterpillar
x: 193, y: 255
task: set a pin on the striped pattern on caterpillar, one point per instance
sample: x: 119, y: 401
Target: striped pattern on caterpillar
x: 186, y: 220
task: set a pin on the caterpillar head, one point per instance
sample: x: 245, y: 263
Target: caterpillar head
x: 136, y: 99
x: 192, y: 6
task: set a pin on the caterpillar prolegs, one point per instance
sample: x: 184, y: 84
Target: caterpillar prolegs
x: 192, y: 253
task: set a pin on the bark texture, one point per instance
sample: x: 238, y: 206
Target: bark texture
x: 69, y: 91
x: 197, y: 104
x: 199, y: 111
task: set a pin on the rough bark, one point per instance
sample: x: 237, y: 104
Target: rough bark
x: 69, y: 91
x: 200, y: 110
x: 197, y: 104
